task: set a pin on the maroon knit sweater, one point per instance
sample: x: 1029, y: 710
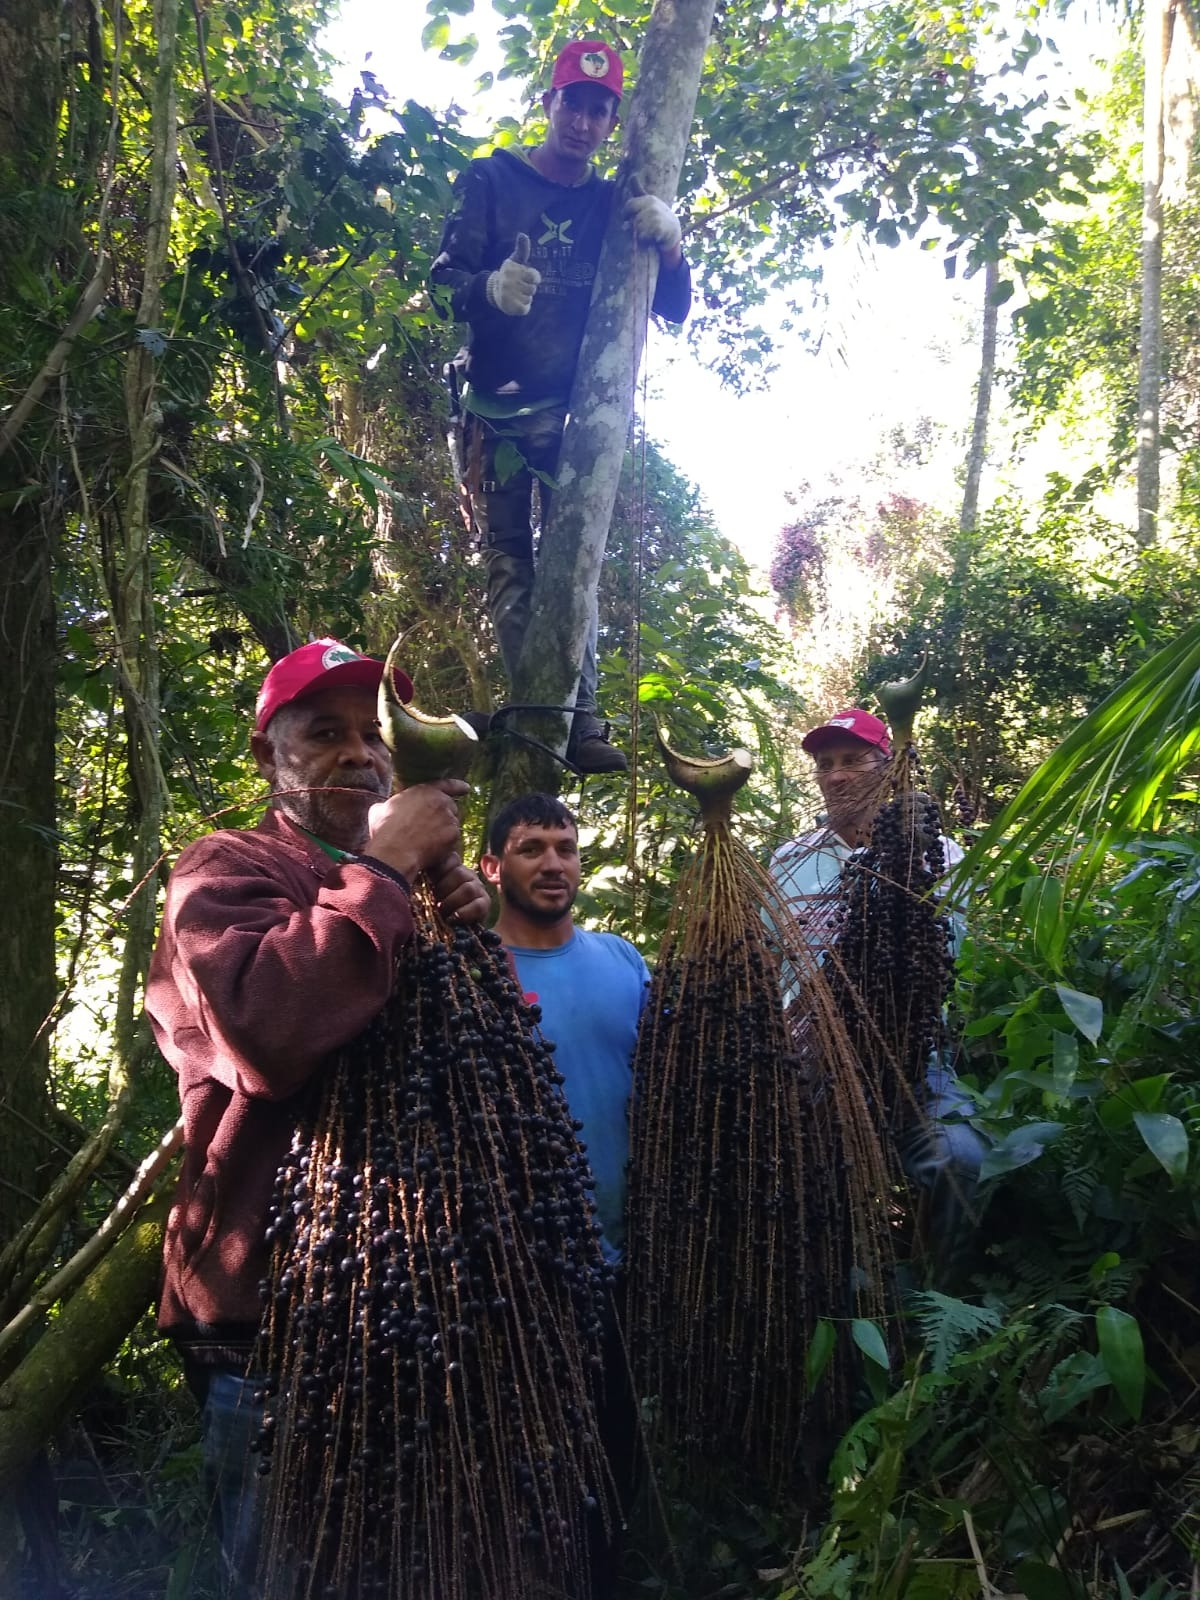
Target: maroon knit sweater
x: 271, y: 956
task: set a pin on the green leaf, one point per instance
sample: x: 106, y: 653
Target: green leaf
x: 979, y: 1026
x: 1066, y: 1060
x: 1086, y: 1011
x: 509, y: 460
x: 1037, y: 1581
x: 1124, y: 1358
x: 1143, y: 1094
x: 1041, y: 906
x: 1070, y: 1384
x: 435, y: 35
x: 870, y: 1341
x: 1022, y: 1145
x: 1103, y: 1265
x: 1109, y: 774
x: 816, y: 1357
x: 1166, y: 1139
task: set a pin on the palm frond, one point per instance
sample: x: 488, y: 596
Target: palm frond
x: 1114, y: 773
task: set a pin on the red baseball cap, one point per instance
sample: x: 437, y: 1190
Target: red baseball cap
x: 313, y: 667
x: 589, y: 61
x: 857, y: 723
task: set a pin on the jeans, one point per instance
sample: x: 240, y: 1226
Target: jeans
x: 942, y: 1156
x: 502, y: 518
x: 229, y: 1422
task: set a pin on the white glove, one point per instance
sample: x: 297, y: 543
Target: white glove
x: 512, y: 286
x: 653, y: 221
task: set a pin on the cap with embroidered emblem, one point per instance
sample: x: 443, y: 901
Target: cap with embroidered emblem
x: 314, y: 666
x: 856, y: 722
x: 589, y: 61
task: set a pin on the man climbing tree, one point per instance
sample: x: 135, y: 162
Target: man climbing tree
x: 519, y: 256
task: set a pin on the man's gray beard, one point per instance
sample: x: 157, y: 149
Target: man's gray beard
x: 327, y: 814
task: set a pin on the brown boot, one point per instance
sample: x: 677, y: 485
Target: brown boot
x: 589, y: 749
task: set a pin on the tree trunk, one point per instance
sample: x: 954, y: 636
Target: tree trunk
x: 83, y: 1337
x: 589, y: 467
x: 30, y: 93
x: 132, y: 596
x: 30, y: 88
x: 983, y: 399
x: 27, y: 844
x: 1156, y: 27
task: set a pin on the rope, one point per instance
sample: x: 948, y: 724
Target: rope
x: 497, y: 725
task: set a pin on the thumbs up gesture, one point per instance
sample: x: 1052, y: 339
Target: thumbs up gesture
x: 512, y: 286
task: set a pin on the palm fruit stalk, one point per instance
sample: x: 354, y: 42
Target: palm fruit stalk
x: 434, y: 1312
x: 735, y: 1225
x: 891, y: 967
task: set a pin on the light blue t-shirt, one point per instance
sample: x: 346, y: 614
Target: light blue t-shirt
x: 591, y: 991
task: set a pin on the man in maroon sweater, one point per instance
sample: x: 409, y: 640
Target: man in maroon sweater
x: 277, y: 947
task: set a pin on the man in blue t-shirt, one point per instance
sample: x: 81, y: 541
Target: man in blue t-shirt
x: 590, y: 986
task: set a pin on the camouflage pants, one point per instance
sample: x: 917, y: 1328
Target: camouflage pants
x: 498, y: 464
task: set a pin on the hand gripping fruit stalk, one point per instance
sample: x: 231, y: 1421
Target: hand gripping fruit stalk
x: 433, y: 1315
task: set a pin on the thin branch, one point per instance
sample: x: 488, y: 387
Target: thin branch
x: 105, y: 1236
x: 89, y: 304
x: 699, y: 224
x: 186, y: 477
x: 260, y: 489
x: 347, y: 260
x: 987, y: 1588
x: 254, y: 129
x: 24, y: 1257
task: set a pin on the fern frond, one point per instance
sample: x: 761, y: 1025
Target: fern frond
x: 1078, y: 1187
x: 949, y: 1325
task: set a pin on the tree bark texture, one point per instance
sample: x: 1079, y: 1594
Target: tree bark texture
x: 657, y: 126
x: 1156, y: 26
x: 27, y: 847
x: 30, y: 87
x: 83, y: 1338
x: 30, y: 92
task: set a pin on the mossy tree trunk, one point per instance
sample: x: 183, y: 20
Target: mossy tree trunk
x: 85, y: 1335
x: 657, y: 126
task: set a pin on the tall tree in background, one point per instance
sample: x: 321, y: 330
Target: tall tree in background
x: 1156, y: 45
x: 30, y: 524
x: 977, y: 453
